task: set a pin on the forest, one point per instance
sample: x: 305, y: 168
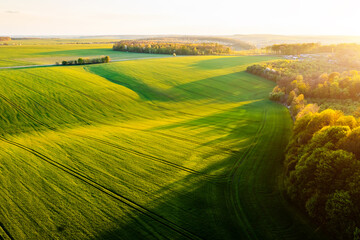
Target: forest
x: 157, y: 47
x: 322, y: 166
x: 313, y: 79
x: 322, y: 169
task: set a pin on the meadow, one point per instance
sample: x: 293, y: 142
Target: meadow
x: 179, y: 148
x: 47, y: 52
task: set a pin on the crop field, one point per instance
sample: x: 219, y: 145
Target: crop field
x: 169, y: 148
x: 38, y: 54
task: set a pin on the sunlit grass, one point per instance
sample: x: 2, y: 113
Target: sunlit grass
x: 165, y: 133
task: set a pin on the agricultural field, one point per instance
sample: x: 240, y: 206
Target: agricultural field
x: 49, y: 53
x: 168, y: 148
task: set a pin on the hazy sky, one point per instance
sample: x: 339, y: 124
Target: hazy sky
x: 94, y: 17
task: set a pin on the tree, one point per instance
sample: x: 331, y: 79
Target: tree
x: 324, y: 77
x: 349, y: 121
x: 277, y: 94
x: 333, y: 76
x: 328, y: 137
x: 291, y: 97
x: 340, y: 210
x: 333, y: 170
x: 351, y: 142
x: 310, y: 108
x: 5, y: 39
x: 297, y: 105
x: 327, y: 117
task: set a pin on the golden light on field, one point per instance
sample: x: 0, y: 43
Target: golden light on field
x: 179, y: 17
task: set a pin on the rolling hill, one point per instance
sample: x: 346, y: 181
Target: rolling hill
x: 179, y: 148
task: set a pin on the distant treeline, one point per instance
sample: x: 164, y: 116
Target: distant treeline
x: 83, y: 61
x: 305, y: 48
x: 230, y: 42
x: 171, y: 48
x: 35, y: 38
x: 5, y: 38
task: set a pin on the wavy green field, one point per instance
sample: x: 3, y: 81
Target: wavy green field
x: 171, y: 148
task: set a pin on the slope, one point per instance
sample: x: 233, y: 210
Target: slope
x: 148, y: 149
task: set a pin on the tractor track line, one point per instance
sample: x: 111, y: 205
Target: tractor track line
x: 154, y: 158
x: 252, y: 145
x: 233, y: 184
x: 108, y: 143
x: 18, y: 108
x: 120, y: 109
x: 6, y: 232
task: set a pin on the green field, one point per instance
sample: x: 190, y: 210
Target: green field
x: 175, y: 148
x: 38, y: 54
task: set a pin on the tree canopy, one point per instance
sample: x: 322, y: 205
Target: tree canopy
x: 323, y: 168
x: 144, y: 46
x: 83, y: 61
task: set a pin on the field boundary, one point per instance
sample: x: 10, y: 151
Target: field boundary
x: 59, y: 65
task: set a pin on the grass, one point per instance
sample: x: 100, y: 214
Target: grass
x: 38, y: 54
x: 174, y: 148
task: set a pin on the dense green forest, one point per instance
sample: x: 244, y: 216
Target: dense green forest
x: 322, y: 166
x: 145, y: 46
x: 323, y: 170
x: 309, y: 79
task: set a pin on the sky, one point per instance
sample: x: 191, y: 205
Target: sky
x: 189, y: 17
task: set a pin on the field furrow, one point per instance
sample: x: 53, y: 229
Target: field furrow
x: 167, y: 148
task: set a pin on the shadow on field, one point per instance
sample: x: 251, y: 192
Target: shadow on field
x: 255, y: 209
x: 219, y: 87
x: 196, y: 203
x: 199, y: 209
x: 228, y: 121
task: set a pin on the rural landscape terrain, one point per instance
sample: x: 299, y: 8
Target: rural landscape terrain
x: 143, y: 148
x: 179, y: 120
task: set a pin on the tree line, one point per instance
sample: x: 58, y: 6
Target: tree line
x: 233, y: 43
x: 84, y: 61
x: 5, y: 38
x: 322, y: 170
x: 322, y: 165
x: 171, y: 48
x: 292, y: 49
x: 311, y: 48
x: 295, y: 78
